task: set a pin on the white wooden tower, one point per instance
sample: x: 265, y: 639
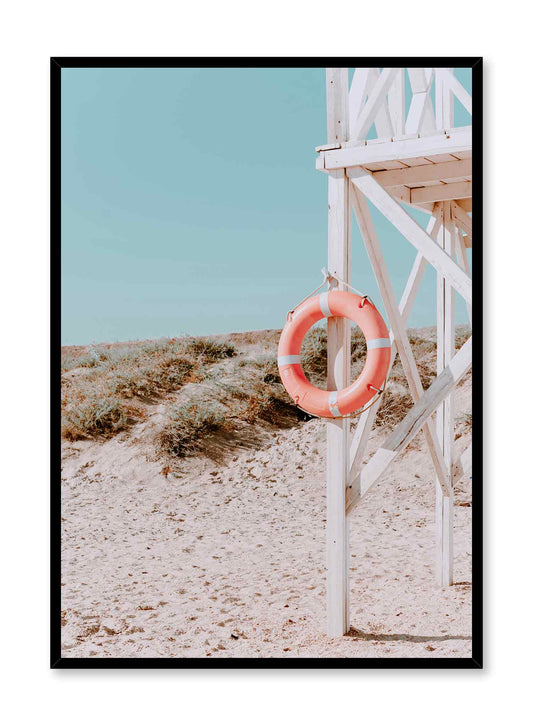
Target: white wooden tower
x: 421, y: 159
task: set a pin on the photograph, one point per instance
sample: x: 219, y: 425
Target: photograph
x: 266, y: 407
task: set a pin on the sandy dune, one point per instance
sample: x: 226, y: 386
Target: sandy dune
x: 221, y: 560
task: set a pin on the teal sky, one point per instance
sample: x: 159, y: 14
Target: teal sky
x: 191, y: 203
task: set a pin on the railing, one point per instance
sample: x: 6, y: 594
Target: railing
x: 377, y: 97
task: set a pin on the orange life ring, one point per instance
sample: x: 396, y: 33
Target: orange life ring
x: 333, y: 404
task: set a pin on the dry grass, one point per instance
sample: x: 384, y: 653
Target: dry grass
x: 94, y: 417
x: 209, y: 349
x: 187, y: 427
x: 108, y: 387
x: 104, y: 388
x: 314, y: 354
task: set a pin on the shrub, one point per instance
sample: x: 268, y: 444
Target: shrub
x: 209, y: 349
x: 314, y: 355
x: 171, y: 372
x: 269, y: 404
x: 393, y: 408
x: 188, y: 424
x: 99, y: 416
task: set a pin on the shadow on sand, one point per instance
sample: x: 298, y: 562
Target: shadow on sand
x: 402, y: 637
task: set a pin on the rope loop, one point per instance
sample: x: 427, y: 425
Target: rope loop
x: 328, y: 277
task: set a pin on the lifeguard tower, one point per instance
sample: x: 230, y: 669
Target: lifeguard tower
x: 420, y: 159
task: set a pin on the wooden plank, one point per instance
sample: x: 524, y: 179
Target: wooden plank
x: 424, y: 174
x: 384, y: 166
x: 418, y: 80
x: 377, y: 96
x: 409, y: 427
x: 373, y: 248
x: 357, y: 97
x: 418, y: 161
x: 412, y: 231
x: 465, y: 204
x: 339, y: 263
x: 396, y: 102
x: 382, y: 120
x: 463, y: 154
x: 443, y: 193
x: 367, y: 418
x: 445, y: 415
x: 454, y: 141
x: 421, y: 117
x: 337, y: 105
x: 443, y: 99
x: 457, y: 88
x: 462, y: 466
x: 425, y: 184
x: 327, y: 147
x: 462, y: 219
x: 462, y: 259
x: 441, y: 158
x: 401, y: 193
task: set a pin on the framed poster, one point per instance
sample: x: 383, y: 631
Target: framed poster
x: 265, y: 421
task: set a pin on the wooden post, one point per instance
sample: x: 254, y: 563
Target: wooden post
x: 445, y: 412
x: 445, y: 347
x: 339, y: 263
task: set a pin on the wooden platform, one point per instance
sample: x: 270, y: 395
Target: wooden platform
x: 417, y: 180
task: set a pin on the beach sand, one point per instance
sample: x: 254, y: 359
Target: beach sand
x: 226, y: 558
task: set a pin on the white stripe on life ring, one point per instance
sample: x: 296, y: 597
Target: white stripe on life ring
x: 324, y: 305
x: 332, y: 401
x: 288, y: 360
x: 378, y: 343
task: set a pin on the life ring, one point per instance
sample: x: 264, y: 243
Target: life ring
x: 333, y: 404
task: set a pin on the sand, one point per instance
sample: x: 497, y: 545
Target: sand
x: 226, y: 559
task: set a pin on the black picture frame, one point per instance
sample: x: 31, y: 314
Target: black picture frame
x: 59, y: 662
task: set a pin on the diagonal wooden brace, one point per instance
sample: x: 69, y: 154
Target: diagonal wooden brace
x: 412, y: 231
x: 377, y: 97
x: 362, y: 213
x: 462, y: 466
x: 408, y: 428
x: 367, y: 418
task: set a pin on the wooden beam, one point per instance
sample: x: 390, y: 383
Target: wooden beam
x: 383, y: 121
x: 465, y: 204
x: 337, y: 104
x: 443, y: 99
x: 420, y: 79
x: 462, y: 259
x: 377, y: 96
x: 412, y: 231
x: 421, y: 116
x: 396, y: 101
x: 427, y: 173
x: 445, y: 411
x: 457, y: 88
x: 462, y: 219
x: 462, y: 466
x: 409, y: 427
x: 373, y: 248
x: 339, y: 263
x: 442, y: 193
x: 450, y: 142
x: 357, y: 97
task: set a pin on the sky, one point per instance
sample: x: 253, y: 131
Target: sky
x: 191, y: 203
